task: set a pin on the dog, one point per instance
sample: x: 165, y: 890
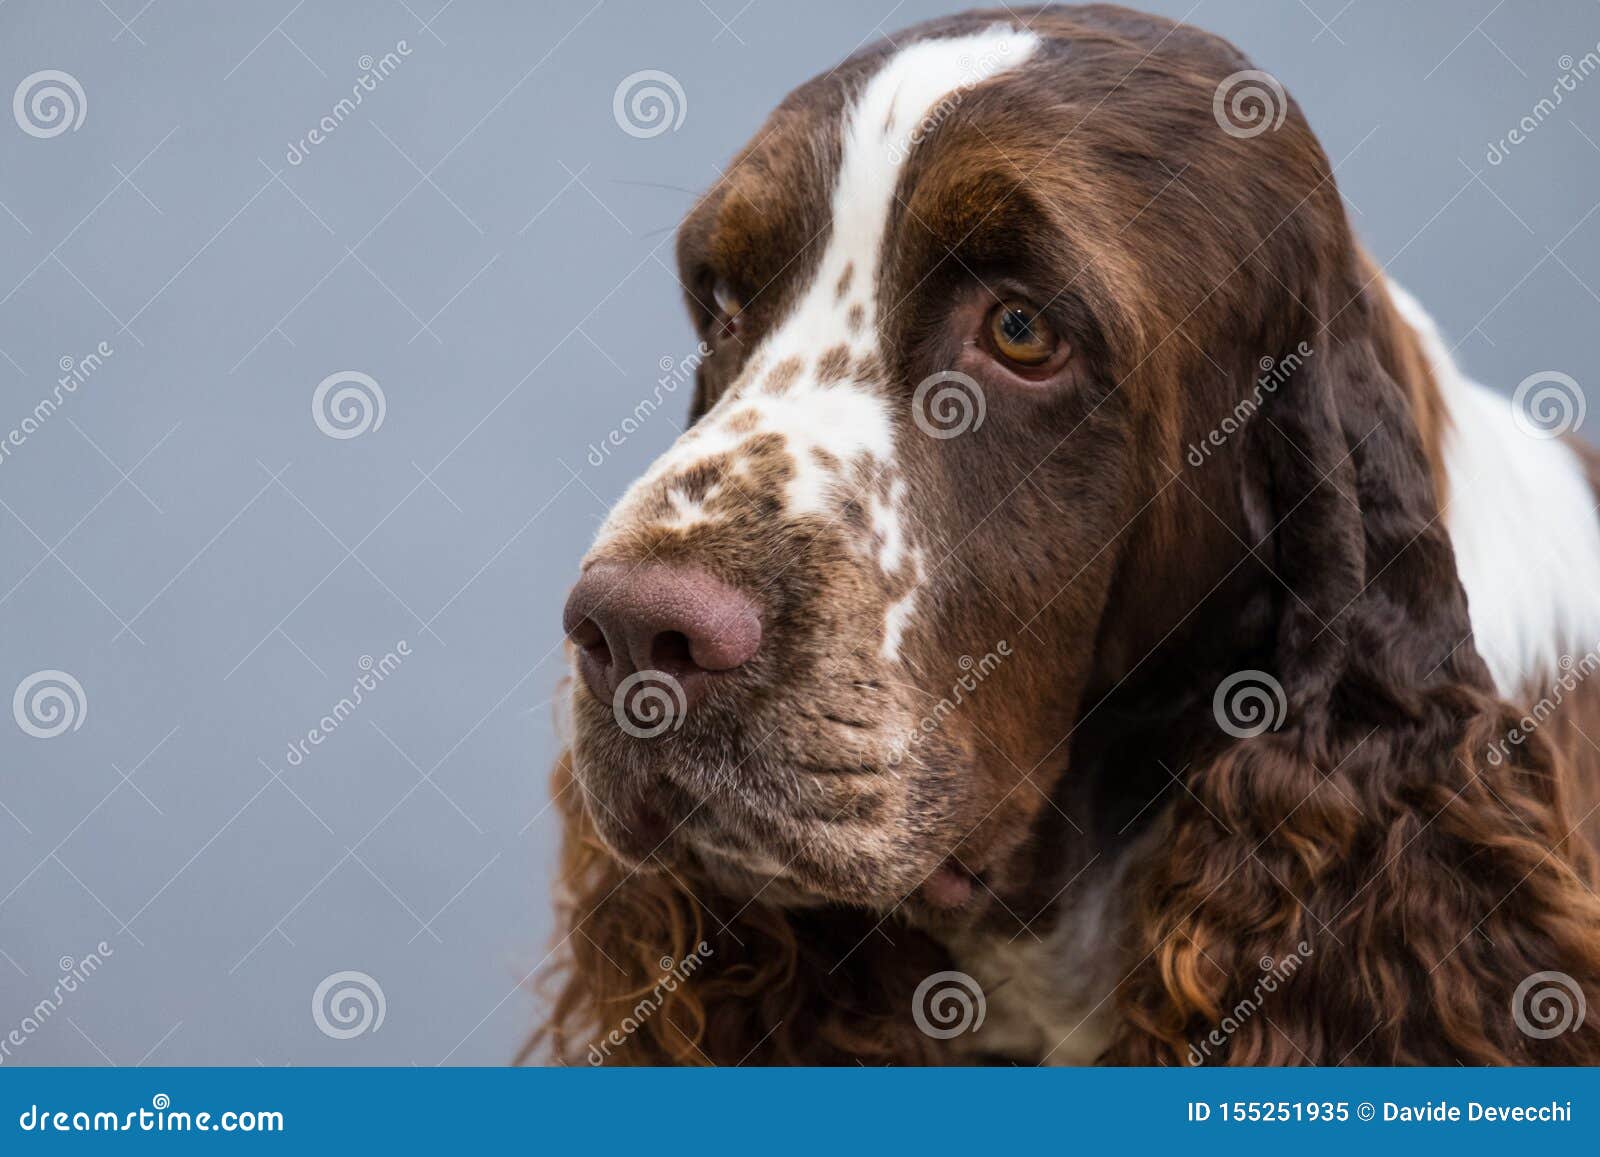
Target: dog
x: 1090, y: 617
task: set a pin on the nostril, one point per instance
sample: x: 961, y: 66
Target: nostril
x: 588, y: 635
x: 679, y: 620
x: 670, y: 652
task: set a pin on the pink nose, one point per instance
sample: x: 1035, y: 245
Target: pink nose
x: 657, y: 617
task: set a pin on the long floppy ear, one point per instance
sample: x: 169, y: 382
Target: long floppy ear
x: 1371, y: 882
x: 659, y: 968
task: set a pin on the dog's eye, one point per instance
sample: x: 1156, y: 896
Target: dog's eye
x: 729, y: 303
x: 1020, y: 335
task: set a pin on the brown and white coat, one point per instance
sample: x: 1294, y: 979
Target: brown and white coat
x: 1247, y: 455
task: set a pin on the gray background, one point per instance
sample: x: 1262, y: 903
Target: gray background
x: 484, y: 240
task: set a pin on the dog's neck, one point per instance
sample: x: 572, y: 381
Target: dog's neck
x: 1050, y: 986
x: 1050, y: 955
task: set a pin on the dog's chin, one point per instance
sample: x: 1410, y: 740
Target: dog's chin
x: 796, y: 819
x: 880, y: 875
x: 807, y: 866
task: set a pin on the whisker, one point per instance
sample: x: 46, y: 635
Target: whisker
x: 909, y: 687
x: 655, y: 185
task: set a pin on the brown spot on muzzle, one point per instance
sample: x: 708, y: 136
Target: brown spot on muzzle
x: 783, y: 376
x: 834, y: 365
x: 697, y: 481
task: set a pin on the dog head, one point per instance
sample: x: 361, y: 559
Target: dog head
x: 958, y: 334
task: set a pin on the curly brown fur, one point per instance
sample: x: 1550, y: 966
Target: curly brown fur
x: 1381, y: 825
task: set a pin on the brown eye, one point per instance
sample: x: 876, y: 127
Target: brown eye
x: 729, y: 303
x: 1020, y: 335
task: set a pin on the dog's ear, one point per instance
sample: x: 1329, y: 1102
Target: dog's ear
x: 1375, y: 855
x: 656, y: 967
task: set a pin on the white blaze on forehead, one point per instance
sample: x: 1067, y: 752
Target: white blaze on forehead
x: 830, y: 426
x: 900, y: 106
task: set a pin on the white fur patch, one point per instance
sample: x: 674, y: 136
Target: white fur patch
x: 828, y: 427
x: 894, y: 623
x: 898, y: 616
x: 1052, y: 995
x: 886, y: 525
x: 686, y: 511
x: 1522, y: 519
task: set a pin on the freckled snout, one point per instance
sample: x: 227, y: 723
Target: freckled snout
x: 658, y: 617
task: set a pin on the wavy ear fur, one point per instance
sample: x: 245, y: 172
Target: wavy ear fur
x: 817, y: 986
x: 1413, y: 880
